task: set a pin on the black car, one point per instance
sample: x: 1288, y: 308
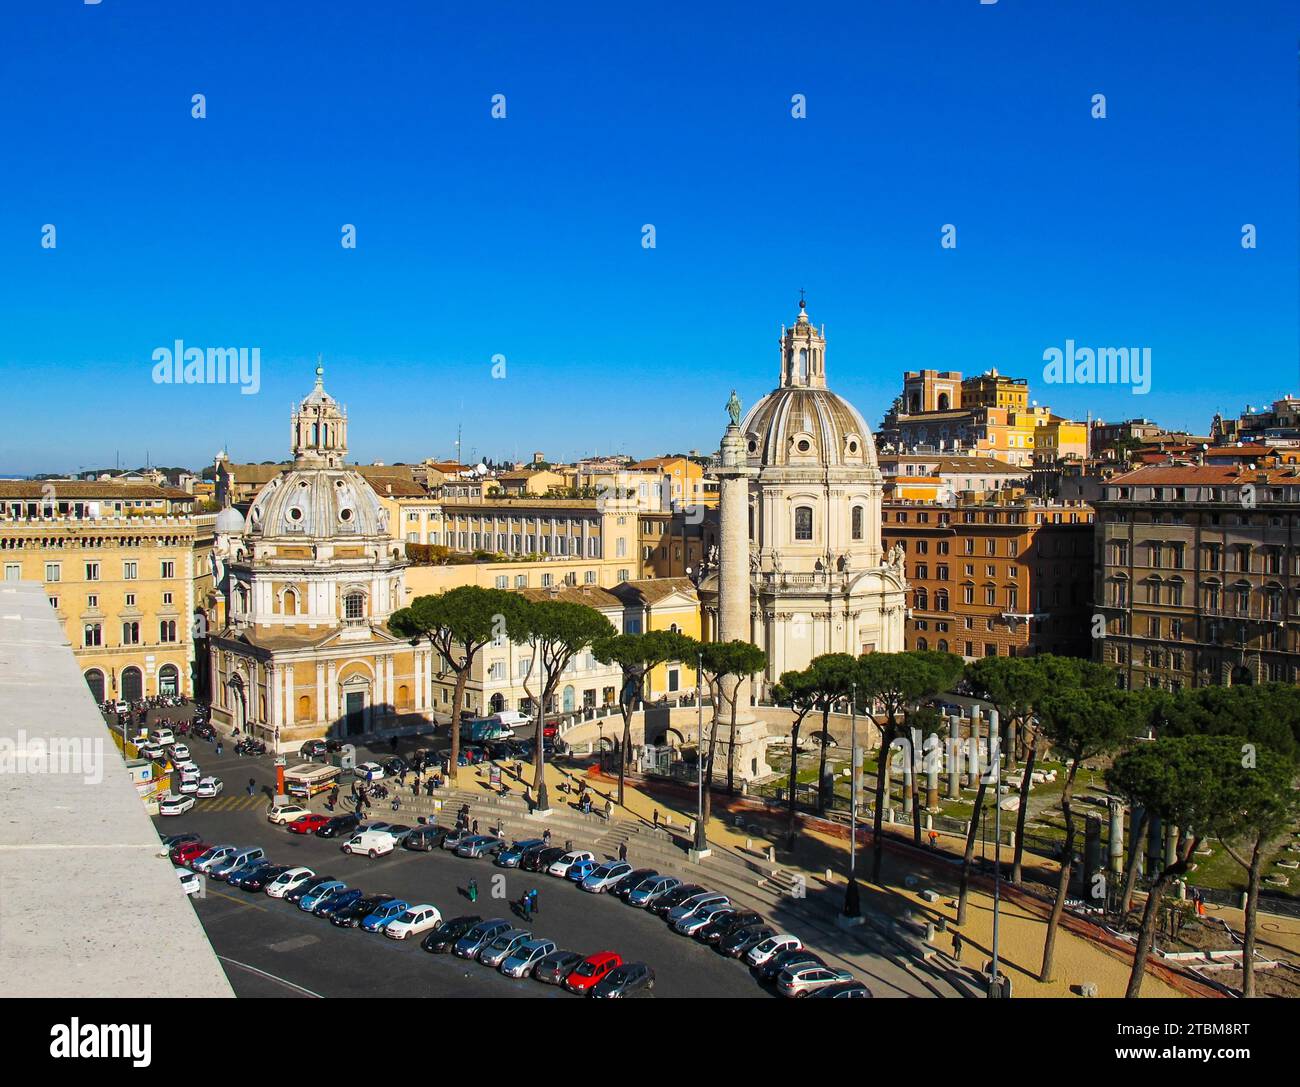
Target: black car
x: 675, y: 897
x: 713, y: 932
x: 443, y: 938
x: 631, y: 977
x: 307, y: 886
x: 542, y: 859
x: 352, y: 915
x: 313, y: 749
x: 738, y: 941
x: 328, y: 907
x: 259, y: 879
x: 425, y: 837
x: 395, y: 765
x: 843, y: 990
x: 339, y: 825
x: 173, y: 840
x: 787, y: 960
x: 624, y: 886
x: 555, y: 967
x: 531, y: 851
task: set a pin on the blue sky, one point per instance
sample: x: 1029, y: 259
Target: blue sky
x: 522, y: 237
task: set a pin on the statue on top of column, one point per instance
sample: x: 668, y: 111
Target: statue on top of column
x: 733, y: 408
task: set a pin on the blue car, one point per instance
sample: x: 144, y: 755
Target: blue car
x: 237, y: 876
x: 317, y: 895
x: 580, y: 870
x: 389, y: 911
x: 509, y: 858
x: 335, y: 902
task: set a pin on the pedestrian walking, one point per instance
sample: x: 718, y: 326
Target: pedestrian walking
x: 609, y: 810
x: 656, y: 817
x: 472, y: 890
x: 934, y: 840
x: 415, y: 788
x: 622, y: 851
x: 956, y: 946
x: 568, y: 845
x: 546, y: 835
x: 397, y: 801
x: 252, y: 786
x: 392, y: 743
x: 526, y: 904
x: 532, y: 901
x: 474, y: 829
x: 218, y: 749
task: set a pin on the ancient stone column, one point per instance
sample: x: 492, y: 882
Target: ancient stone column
x: 954, y: 757
x: 932, y: 775
x: 1115, y: 837
x: 733, y: 573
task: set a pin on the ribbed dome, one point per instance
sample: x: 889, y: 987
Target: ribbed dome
x: 230, y: 521
x: 798, y: 426
x: 317, y: 503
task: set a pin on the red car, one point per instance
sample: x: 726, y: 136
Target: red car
x: 583, y: 977
x: 550, y: 729
x: 308, y: 824
x: 186, y: 852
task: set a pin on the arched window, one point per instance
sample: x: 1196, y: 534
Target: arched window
x: 942, y: 646
x: 169, y: 680
x: 922, y: 645
x: 803, y: 523
x: 856, y: 522
x: 943, y: 402
x: 167, y: 630
x: 95, y: 681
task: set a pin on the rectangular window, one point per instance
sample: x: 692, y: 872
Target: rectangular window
x: 91, y: 634
x: 503, y: 581
x: 92, y: 571
x: 52, y: 571
x: 130, y: 600
x: 167, y: 598
x: 129, y: 570
x: 168, y: 568
x: 521, y: 581
x: 803, y: 523
x: 130, y: 633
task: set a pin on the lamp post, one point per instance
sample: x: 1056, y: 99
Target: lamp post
x: 701, y: 840
x: 852, y: 906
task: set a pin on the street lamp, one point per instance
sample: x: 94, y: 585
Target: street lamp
x: 701, y: 840
x: 852, y: 906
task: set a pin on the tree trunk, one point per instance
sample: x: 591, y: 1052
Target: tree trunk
x: 913, y: 787
x: 1252, y: 906
x: 1010, y: 746
x: 706, y: 771
x: 1063, y: 881
x: 821, y: 768
x: 877, y: 836
x: 627, y: 740
x: 1031, y: 754
x: 1149, y: 915
x: 1131, y: 869
x: 539, y: 752
x: 968, y: 857
x: 794, y: 779
x: 457, y: 704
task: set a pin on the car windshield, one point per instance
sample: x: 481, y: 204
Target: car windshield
x: 586, y: 969
x: 503, y: 941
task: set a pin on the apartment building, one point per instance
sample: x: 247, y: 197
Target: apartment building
x: 1198, y: 575
x: 995, y: 579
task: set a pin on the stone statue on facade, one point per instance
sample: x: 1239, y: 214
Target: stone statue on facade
x: 896, y: 557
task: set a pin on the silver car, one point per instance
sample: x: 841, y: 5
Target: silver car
x: 520, y: 962
x: 690, y: 925
x: 503, y: 946
x: 651, y: 889
x: 803, y: 980
x: 479, y: 845
x: 695, y: 904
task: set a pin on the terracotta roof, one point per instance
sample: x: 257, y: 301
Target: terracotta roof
x: 957, y: 465
x: 653, y: 590
x: 1191, y: 475
x: 591, y: 595
x: 395, y: 487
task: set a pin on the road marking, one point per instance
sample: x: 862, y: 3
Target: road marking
x: 237, y: 901
x: 272, y: 977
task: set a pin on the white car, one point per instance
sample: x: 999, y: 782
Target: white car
x: 773, y: 945
x: 373, y: 843
x: 208, y: 787
x: 189, y: 784
x: 163, y: 737
x: 175, y: 804
x: 414, y: 921
x: 191, y: 882
x: 286, y: 813
x: 561, y: 866
x: 287, y: 881
x: 121, y: 707
x: 180, y: 753
x: 370, y: 771
x: 151, y: 751
x: 188, y: 766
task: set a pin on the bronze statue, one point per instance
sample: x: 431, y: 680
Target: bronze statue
x: 733, y: 408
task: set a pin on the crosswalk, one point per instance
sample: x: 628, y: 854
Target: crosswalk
x: 232, y: 802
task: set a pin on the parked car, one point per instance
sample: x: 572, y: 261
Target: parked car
x: 689, y: 907
x: 338, y: 826
x: 541, y: 860
x: 580, y: 870
x: 650, y: 890
x: 186, y: 853
x: 180, y: 753
x: 478, y: 937
x: 520, y: 962
x: 561, y: 865
x: 208, y: 787
x: 843, y: 990
x: 313, y: 749
x: 332, y: 904
x: 736, y: 944
x: 555, y: 967
x: 189, y: 771
x: 385, y: 915
x: 626, y: 883
x: 415, y: 920
x: 394, y: 765
x: 768, y: 949
x: 718, y: 927
x: 631, y: 977
x: 171, y: 841
x: 510, y: 856
x: 604, y: 877
x: 373, y: 843
x: 175, y: 804
x: 151, y: 751
x: 480, y: 845
x: 671, y: 899
x: 163, y: 737
x: 191, y: 882
x: 308, y: 824
x: 235, y: 877
x: 425, y: 837
x: 288, y: 880
x: 806, y: 980
x: 453, y: 838
x: 369, y: 771
x: 443, y: 938
x: 313, y: 898
x: 216, y: 854
x: 286, y: 813
x: 298, y: 893
x: 503, y: 946
x: 700, y: 919
x: 236, y: 861
x: 591, y: 971
x: 788, y: 960
x: 263, y: 877
x: 352, y: 915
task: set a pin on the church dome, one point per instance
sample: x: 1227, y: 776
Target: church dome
x: 230, y: 521
x: 317, y: 503
x: 802, y: 423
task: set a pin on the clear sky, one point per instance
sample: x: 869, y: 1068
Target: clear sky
x: 522, y: 237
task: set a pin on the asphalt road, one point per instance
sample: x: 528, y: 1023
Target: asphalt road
x: 271, y: 948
